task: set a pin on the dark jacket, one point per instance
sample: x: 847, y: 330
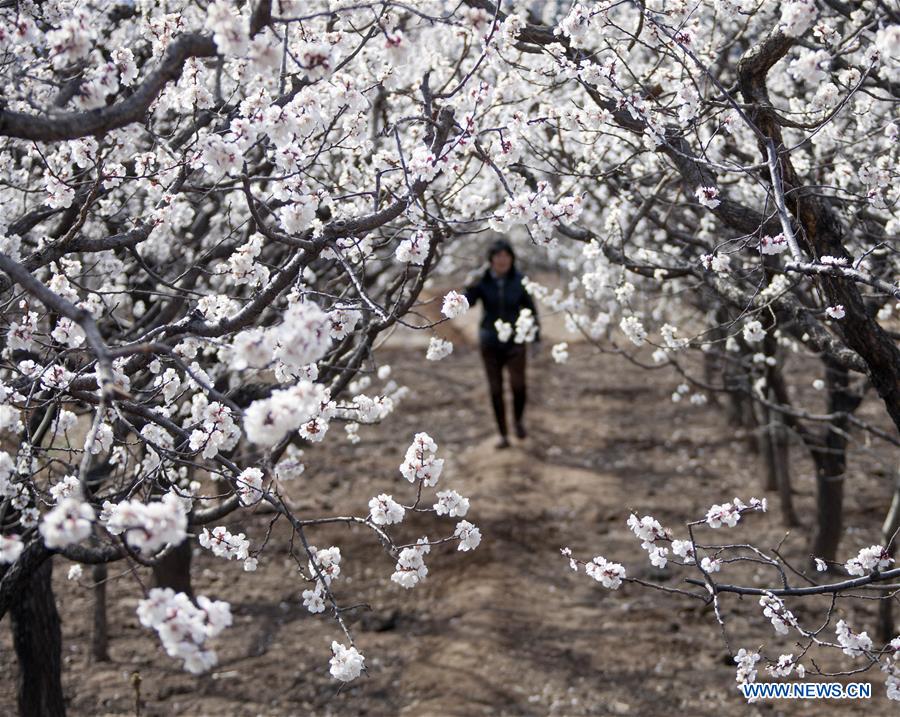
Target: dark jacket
x: 503, y: 298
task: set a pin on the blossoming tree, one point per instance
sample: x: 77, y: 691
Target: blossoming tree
x: 735, y: 162
x: 208, y: 217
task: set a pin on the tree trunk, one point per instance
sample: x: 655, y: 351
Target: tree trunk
x: 829, y: 504
x: 100, y: 635
x: 886, y: 630
x: 830, y: 458
x: 781, y: 462
x: 739, y: 409
x: 174, y: 570
x: 774, y: 450
x: 764, y: 436
x: 37, y: 638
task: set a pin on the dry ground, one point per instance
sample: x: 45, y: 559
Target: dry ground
x: 507, y: 630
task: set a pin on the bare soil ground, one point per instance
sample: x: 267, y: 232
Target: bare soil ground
x: 508, y: 629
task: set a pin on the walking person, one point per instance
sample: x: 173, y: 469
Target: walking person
x: 503, y: 297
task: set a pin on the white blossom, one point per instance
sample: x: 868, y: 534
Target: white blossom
x: 560, y: 352
x: 451, y: 503
x: 266, y: 421
x: 99, y: 440
x: 68, y: 523
x: 746, y: 666
x: 249, y: 486
x: 147, y: 527
x: 725, y: 514
x: 413, y: 250
x: 708, y: 196
x: 184, y: 627
x: 328, y: 562
x: 658, y: 557
x: 469, y: 536
x: 314, y: 600
x: 775, y: 610
x: 684, y: 550
x: 526, y: 327
x: 455, y: 305
x: 384, y: 510
x: 346, y: 662
x: 777, y: 244
x: 224, y: 544
x: 646, y: 529
x: 421, y: 462
x: 608, y: 574
x: 754, y: 331
x: 230, y: 29
x: 634, y: 330
x: 504, y: 330
x: 871, y: 559
x: 797, y: 16
x: 11, y: 548
x: 853, y: 644
x: 410, y: 569
x: 438, y: 348
x: 68, y: 486
x: 785, y: 666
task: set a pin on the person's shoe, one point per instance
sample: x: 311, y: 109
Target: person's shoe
x: 520, y: 431
x: 502, y: 443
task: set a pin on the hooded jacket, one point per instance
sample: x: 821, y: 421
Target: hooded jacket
x: 503, y: 298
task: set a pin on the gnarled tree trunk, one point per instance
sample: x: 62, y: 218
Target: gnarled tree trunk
x: 37, y: 638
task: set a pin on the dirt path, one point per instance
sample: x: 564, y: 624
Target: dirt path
x: 506, y: 630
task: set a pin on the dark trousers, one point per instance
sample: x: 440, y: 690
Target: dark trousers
x: 513, y: 358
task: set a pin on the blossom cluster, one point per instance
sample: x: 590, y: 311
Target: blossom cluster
x: 537, y: 212
x: 225, y: 544
x: 411, y: 569
x: 324, y: 567
x: 267, y: 420
x: 852, y: 643
x: 607, y: 573
x: 421, y: 462
x: 69, y: 522
x: 148, y: 527
x: 346, y: 662
x: 869, y: 560
x: 183, y: 626
x: 774, y: 609
x: 649, y: 531
x: 729, y: 514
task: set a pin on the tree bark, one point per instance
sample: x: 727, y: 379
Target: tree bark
x: 886, y: 629
x: 781, y: 468
x: 783, y: 478
x: 830, y: 458
x: 829, y: 504
x: 773, y: 435
x: 765, y: 447
x: 740, y: 408
x: 37, y: 638
x: 174, y: 570
x: 100, y: 634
